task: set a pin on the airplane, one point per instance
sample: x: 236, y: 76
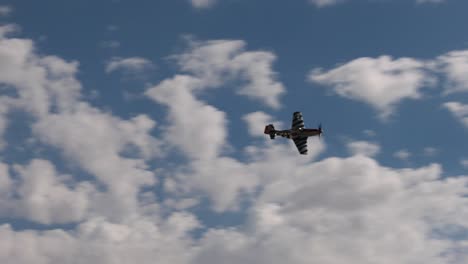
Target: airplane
x: 297, y: 133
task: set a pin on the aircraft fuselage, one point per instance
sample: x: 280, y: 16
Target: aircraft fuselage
x: 294, y: 133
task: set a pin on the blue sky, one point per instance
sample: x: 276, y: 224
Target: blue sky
x: 133, y: 131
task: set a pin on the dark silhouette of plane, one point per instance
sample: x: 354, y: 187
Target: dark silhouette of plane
x: 297, y: 133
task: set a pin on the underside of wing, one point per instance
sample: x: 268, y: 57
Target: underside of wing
x: 301, y: 144
x: 297, y: 121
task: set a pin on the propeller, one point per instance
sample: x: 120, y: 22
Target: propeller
x: 320, y: 130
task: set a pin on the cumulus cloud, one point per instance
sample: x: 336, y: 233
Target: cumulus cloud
x: 316, y: 212
x: 132, y: 65
x: 204, y: 133
x: 345, y: 210
x: 98, y: 142
x: 202, y: 4
x: 454, y: 65
x: 381, y: 82
x: 256, y: 123
x: 363, y: 148
x: 203, y: 140
x: 104, y: 242
x: 39, y: 81
x: 459, y: 110
x: 219, y: 61
x: 44, y: 196
x: 384, y: 82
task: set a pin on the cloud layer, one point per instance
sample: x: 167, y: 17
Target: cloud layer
x: 134, y: 207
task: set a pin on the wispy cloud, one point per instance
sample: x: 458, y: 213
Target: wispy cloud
x: 430, y: 1
x: 430, y: 151
x: 363, y: 148
x: 202, y: 4
x: 5, y: 10
x: 464, y: 163
x: 110, y: 44
x: 324, y: 3
x: 459, y: 110
x: 402, y: 154
x: 133, y: 65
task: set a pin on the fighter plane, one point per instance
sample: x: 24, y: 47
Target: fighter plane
x: 297, y: 133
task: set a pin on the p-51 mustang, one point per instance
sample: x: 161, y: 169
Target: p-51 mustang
x: 297, y: 132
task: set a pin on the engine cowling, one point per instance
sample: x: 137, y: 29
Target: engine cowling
x: 270, y: 130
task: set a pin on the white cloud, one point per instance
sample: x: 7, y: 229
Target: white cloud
x: 47, y: 197
x: 131, y: 65
x: 5, y: 10
x: 402, y: 154
x: 39, y: 81
x: 430, y: 151
x: 363, y: 148
x: 381, y: 82
x: 455, y: 66
x: 345, y: 211
x: 204, y: 127
x: 324, y: 3
x: 384, y: 82
x: 94, y: 140
x: 459, y: 110
x: 40, y: 194
x: 201, y: 4
x: 100, y: 241
x: 256, y: 123
x: 203, y: 138
x: 226, y: 181
x: 348, y: 210
x: 218, y: 61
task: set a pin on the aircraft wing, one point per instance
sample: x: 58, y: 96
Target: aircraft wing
x: 301, y: 144
x: 297, y: 121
